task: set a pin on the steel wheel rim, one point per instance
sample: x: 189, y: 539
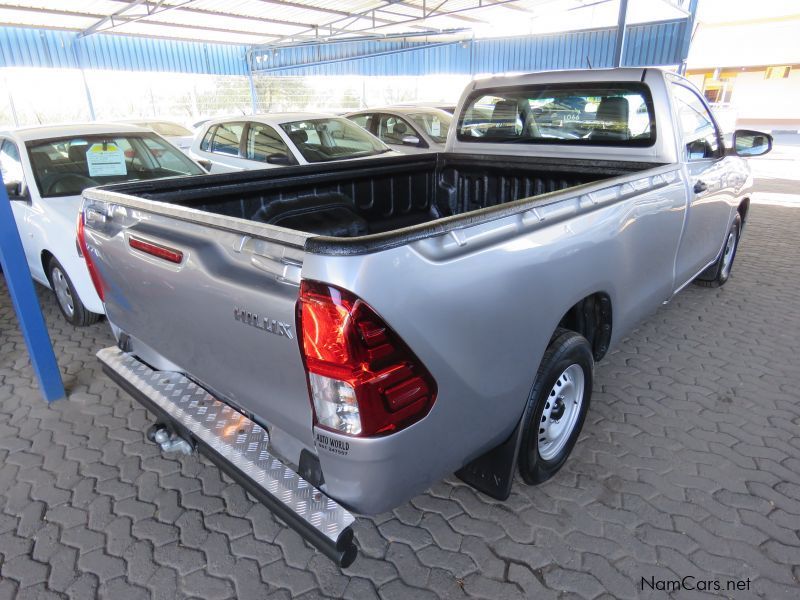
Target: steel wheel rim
x: 561, y: 411
x: 727, y: 258
x: 63, y: 293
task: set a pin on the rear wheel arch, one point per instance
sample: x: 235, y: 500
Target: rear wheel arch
x: 591, y: 317
x: 743, y: 209
x: 46, y: 256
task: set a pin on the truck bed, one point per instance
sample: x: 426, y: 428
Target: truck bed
x: 378, y: 196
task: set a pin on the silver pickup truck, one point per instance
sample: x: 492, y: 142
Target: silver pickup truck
x: 340, y: 336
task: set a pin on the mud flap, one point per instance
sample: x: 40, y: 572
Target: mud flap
x: 493, y: 472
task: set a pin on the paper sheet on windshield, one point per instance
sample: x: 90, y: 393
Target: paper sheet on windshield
x: 436, y: 128
x: 104, y: 159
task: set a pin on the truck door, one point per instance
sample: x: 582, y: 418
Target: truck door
x: 709, y: 192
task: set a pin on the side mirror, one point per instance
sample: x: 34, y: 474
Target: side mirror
x: 410, y: 140
x: 751, y: 143
x: 17, y: 190
x: 279, y: 159
x: 206, y: 164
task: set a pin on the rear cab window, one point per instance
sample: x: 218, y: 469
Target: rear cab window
x: 593, y: 114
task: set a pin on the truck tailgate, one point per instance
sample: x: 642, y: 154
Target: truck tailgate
x: 209, y: 301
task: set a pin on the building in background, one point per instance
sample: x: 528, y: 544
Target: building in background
x: 748, y: 67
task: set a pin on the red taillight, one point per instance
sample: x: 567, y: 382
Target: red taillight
x: 87, y: 256
x: 157, y: 250
x: 363, y: 379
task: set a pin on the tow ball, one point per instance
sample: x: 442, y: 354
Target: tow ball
x: 168, y: 440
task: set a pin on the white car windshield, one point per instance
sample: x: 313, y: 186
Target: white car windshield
x: 67, y: 166
x: 320, y: 140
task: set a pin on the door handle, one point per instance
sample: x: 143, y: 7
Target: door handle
x: 700, y: 187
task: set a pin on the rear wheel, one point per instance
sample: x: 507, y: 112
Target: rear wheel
x: 719, y: 273
x: 68, y: 301
x: 557, y: 406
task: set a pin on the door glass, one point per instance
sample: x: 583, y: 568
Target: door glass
x: 263, y: 141
x: 435, y: 124
x: 206, y: 143
x: 393, y: 129
x: 361, y: 120
x: 10, y: 164
x: 227, y: 138
x: 697, y: 127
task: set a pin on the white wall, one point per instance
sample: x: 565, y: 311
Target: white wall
x: 755, y: 97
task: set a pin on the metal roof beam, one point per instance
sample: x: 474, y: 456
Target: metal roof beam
x: 479, y: 4
x: 216, y: 13
x: 118, y: 18
x: 334, y: 28
x: 69, y: 13
x: 367, y: 38
x: 330, y: 11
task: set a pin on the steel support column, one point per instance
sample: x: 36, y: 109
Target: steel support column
x: 248, y: 57
x: 79, y: 63
x: 688, y: 34
x: 26, y: 303
x: 11, y: 104
x: 622, y: 22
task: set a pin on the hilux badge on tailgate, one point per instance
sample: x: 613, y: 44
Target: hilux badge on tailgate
x: 265, y: 323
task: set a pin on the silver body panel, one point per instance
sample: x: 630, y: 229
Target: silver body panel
x: 477, y: 301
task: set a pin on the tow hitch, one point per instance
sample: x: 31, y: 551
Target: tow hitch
x: 168, y: 440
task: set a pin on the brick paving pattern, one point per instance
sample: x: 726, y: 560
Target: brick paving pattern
x: 689, y: 464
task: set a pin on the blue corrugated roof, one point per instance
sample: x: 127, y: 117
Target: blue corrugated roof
x: 24, y: 47
x: 645, y: 45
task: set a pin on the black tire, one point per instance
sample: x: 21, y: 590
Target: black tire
x: 567, y: 350
x: 719, y: 273
x: 67, y: 298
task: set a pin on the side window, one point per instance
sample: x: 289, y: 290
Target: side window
x: 226, y: 139
x: 10, y: 164
x: 206, y: 143
x: 697, y: 126
x: 263, y: 141
x: 361, y: 120
x: 392, y: 130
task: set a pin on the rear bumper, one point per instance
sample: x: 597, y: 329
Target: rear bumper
x: 239, y: 447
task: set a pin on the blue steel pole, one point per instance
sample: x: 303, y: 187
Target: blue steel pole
x: 26, y: 304
x: 622, y: 25
x: 688, y: 34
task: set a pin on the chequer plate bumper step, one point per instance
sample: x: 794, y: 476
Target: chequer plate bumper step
x: 240, y: 447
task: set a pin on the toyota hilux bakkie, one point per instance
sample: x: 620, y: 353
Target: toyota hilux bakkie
x: 340, y: 336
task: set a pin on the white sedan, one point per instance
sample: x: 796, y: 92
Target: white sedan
x: 45, y: 170
x: 276, y: 140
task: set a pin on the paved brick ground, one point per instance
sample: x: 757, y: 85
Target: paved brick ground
x: 689, y: 465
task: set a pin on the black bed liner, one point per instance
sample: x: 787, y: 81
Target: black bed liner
x: 401, y: 198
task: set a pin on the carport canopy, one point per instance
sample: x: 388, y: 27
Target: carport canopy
x: 275, y: 22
